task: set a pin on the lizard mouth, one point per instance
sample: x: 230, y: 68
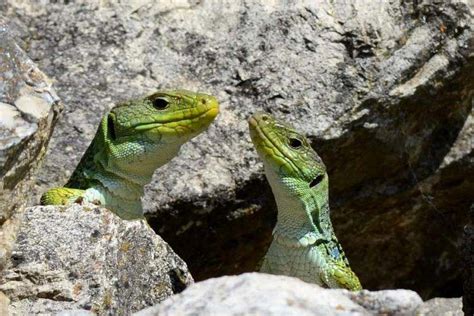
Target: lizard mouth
x: 183, y: 120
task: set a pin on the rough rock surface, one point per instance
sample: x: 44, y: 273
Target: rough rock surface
x: 468, y: 256
x: 87, y: 258
x: 29, y: 108
x: 263, y: 294
x: 384, y: 89
x: 441, y: 307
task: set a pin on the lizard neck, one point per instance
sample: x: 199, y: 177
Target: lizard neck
x: 117, y: 182
x: 304, y: 244
x: 303, y: 212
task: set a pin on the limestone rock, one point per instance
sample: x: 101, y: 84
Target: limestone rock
x: 86, y: 258
x: 441, y: 307
x: 384, y: 90
x: 263, y: 294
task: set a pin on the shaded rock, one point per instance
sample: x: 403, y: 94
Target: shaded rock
x: 468, y: 256
x: 86, y: 258
x: 441, y: 307
x: 29, y: 108
x: 383, y: 89
x: 263, y: 294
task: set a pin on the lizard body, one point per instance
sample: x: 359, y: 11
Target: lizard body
x: 304, y: 244
x: 132, y: 141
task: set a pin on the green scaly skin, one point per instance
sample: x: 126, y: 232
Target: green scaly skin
x: 132, y: 141
x: 304, y: 244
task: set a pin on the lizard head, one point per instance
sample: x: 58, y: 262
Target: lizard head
x: 163, y: 116
x: 288, y: 158
x: 146, y: 133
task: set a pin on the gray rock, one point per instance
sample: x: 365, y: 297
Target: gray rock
x: 263, y: 294
x: 29, y: 108
x: 441, y: 307
x: 76, y: 312
x: 384, y: 90
x: 83, y: 258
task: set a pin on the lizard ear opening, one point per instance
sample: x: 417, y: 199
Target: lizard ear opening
x: 316, y: 180
x: 110, y: 127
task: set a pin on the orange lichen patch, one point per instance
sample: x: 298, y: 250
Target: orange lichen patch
x: 442, y: 28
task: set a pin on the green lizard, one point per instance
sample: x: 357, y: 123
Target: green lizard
x: 132, y: 141
x: 304, y: 244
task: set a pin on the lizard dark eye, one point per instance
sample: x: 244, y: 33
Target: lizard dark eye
x: 295, y: 143
x: 160, y: 104
x: 111, y: 127
x: 316, y: 180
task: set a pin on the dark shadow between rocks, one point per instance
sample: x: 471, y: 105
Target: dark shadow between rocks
x: 395, y: 208
x: 222, y: 238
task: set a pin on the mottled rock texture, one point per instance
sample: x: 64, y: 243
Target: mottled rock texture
x: 384, y: 90
x: 441, y: 307
x: 86, y: 258
x: 29, y: 108
x: 263, y: 294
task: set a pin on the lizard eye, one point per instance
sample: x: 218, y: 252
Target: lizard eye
x: 295, y: 143
x: 160, y: 104
x: 316, y: 180
x: 110, y: 126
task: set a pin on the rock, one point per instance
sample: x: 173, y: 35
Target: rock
x: 383, y: 89
x: 468, y: 256
x: 440, y: 306
x: 4, y: 302
x: 29, y: 108
x: 76, y: 312
x: 263, y: 294
x: 83, y: 258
